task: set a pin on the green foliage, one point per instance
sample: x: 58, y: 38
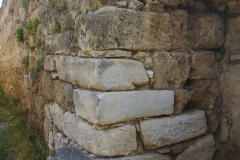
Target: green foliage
x: 222, y: 50
x: 19, y: 140
x: 32, y: 26
x: 25, y: 3
x: 25, y: 60
x: 38, y: 43
x: 57, y: 28
x: 229, y: 15
x: 19, y: 35
x: 53, y: 2
x: 39, y: 63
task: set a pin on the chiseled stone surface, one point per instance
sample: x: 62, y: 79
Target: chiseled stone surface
x: 112, y: 107
x: 206, y: 31
x: 232, y: 40
x: 111, y: 142
x: 116, y: 28
x: 59, y: 43
x: 203, y: 65
x: 102, y: 74
x: 171, y: 69
x: 55, y: 114
x: 160, y: 132
x: 201, y: 149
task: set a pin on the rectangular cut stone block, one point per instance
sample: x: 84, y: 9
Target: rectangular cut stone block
x: 206, y: 31
x: 102, y: 74
x: 160, y: 132
x: 202, y: 149
x: 111, y: 107
x: 114, y: 28
x: 111, y: 142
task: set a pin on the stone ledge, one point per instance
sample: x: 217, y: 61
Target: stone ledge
x: 104, y: 108
x: 160, y: 132
x: 102, y: 74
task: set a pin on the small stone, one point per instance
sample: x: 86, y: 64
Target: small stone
x: 49, y: 63
x: 121, y: 4
x: 137, y: 127
x: 140, y: 55
x: 3, y: 126
x: 54, y: 75
x: 150, y: 73
x: 118, y: 53
x: 148, y: 62
x: 177, y: 149
x: 163, y: 150
x: 234, y: 58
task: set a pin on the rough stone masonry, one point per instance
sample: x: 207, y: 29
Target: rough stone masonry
x: 127, y: 79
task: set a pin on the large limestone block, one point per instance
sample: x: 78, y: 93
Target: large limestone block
x: 111, y: 142
x: 179, y: 38
x: 160, y: 132
x: 111, y: 107
x: 55, y: 114
x: 206, y: 31
x: 59, y: 43
x: 171, y: 70
x: 233, y: 38
x: 117, y: 28
x: 203, y: 65
x: 102, y: 74
x: 201, y: 149
x: 231, y: 102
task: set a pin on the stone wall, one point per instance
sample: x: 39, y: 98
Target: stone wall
x: 136, y: 79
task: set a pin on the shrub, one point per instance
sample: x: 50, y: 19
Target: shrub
x: 38, y: 43
x: 19, y: 35
x: 32, y: 26
x: 25, y: 60
x: 25, y: 3
x: 57, y: 28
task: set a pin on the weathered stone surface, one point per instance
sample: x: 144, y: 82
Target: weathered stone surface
x: 203, y: 65
x: 111, y: 142
x: 74, y: 153
x: 170, y: 130
x: 206, y: 31
x: 59, y: 43
x: 231, y: 101
x: 63, y: 94
x: 112, y: 107
x: 55, y: 114
x: 232, y: 40
x: 181, y: 98
x: 46, y: 85
x: 179, y: 38
x: 233, y: 5
x: 154, y: 7
x: 202, y: 149
x: 167, y: 3
x: 3, y: 126
x: 57, y: 140
x: 171, y: 70
x: 49, y: 63
x: 115, y: 28
x: 110, y: 54
x: 102, y: 74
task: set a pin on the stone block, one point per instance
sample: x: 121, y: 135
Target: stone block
x: 54, y: 113
x: 160, y: 132
x: 201, y: 149
x: 232, y: 39
x: 102, y: 74
x: 49, y: 63
x: 104, y: 108
x: 234, y: 58
x: 179, y: 38
x: 111, y: 142
x: 203, y: 65
x: 171, y: 70
x: 181, y: 98
x: 206, y: 31
x: 63, y: 94
x: 116, y: 28
x: 234, y: 6
x: 59, y: 43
